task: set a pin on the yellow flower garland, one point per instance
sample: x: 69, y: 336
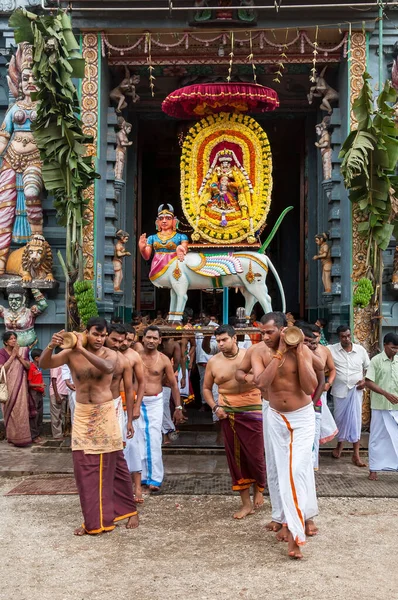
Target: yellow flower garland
x: 201, y: 140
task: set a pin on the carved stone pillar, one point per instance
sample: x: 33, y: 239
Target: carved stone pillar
x: 362, y: 316
x: 89, y: 108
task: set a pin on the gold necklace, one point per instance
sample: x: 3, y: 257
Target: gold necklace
x: 164, y: 237
x: 153, y: 365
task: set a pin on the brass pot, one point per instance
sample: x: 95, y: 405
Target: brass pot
x: 293, y: 336
x: 70, y: 340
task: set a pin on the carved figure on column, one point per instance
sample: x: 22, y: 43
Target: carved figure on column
x: 322, y: 130
x: 324, y: 255
x: 323, y: 90
x: 20, y: 319
x: 395, y: 269
x: 126, y: 88
x: 122, y: 143
x: 21, y: 180
x: 122, y: 238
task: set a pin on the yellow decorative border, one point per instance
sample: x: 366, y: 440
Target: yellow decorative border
x: 192, y: 173
x: 89, y: 115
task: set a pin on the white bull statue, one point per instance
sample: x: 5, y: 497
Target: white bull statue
x: 246, y: 271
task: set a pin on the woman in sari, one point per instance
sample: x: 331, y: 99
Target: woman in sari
x: 16, y: 410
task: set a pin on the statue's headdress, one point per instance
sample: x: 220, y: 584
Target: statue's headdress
x: 166, y: 209
x: 225, y: 156
x: 22, y: 59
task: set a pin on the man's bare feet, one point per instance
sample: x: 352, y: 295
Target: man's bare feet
x: 132, y: 523
x: 282, y: 535
x: 358, y: 462
x: 293, y: 549
x: 154, y: 489
x: 336, y: 453
x: 80, y: 531
x: 310, y: 528
x: 373, y: 476
x: 38, y: 440
x: 246, y: 509
x: 273, y: 526
x: 258, y: 498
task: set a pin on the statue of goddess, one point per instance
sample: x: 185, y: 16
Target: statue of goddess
x: 21, y: 180
x: 20, y: 319
x: 322, y: 130
x: 167, y: 243
x: 122, y: 238
x: 224, y: 196
x: 324, y: 255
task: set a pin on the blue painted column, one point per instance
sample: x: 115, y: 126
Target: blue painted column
x: 225, y: 305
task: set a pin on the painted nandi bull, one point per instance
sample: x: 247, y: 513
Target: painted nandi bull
x: 175, y: 268
x: 246, y: 271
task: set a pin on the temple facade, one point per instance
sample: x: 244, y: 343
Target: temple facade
x: 136, y: 54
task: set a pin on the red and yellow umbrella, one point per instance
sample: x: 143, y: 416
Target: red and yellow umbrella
x: 200, y: 100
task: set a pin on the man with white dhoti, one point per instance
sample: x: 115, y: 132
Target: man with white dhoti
x: 382, y: 380
x: 156, y: 366
x: 351, y: 362
x: 287, y: 379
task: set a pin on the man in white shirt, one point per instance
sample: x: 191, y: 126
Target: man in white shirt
x: 351, y: 362
x: 67, y: 377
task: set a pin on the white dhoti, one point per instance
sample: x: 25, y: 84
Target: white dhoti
x: 328, y: 424
x: 150, y: 438
x: 272, y: 473
x: 315, y: 447
x: 325, y: 428
x: 383, y: 440
x: 291, y: 437
x: 348, y: 416
x: 167, y: 422
x: 184, y: 391
x: 132, y: 450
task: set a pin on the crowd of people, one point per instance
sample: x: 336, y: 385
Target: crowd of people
x: 125, y: 387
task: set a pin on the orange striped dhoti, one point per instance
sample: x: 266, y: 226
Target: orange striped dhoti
x: 291, y: 436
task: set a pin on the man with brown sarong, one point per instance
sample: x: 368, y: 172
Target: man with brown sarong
x: 101, y: 473
x: 240, y: 413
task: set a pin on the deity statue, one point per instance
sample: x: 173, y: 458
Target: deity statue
x: 324, y: 255
x: 225, y: 193
x: 322, y: 89
x: 167, y: 243
x: 122, y: 143
x: 20, y: 319
x: 322, y: 130
x: 122, y: 238
x: 21, y: 180
x: 125, y: 88
x: 394, y: 280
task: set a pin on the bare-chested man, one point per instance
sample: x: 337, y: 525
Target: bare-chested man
x: 132, y: 449
x: 156, y: 367
x: 102, y: 477
x: 287, y: 379
x: 172, y: 349
x: 325, y: 425
x: 240, y: 414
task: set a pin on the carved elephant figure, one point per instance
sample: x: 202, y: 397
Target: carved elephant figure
x: 246, y: 271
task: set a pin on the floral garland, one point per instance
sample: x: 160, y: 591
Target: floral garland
x: 253, y: 177
x: 261, y: 36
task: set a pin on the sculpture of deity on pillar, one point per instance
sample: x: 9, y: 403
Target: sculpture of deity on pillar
x: 324, y: 255
x: 20, y: 319
x: 21, y: 180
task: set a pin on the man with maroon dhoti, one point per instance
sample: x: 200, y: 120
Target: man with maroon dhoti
x: 101, y: 473
x: 240, y: 413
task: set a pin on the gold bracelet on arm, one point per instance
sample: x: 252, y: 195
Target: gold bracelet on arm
x: 278, y: 355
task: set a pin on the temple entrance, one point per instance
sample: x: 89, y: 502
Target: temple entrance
x: 159, y: 177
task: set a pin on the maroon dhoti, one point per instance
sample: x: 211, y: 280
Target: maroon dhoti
x: 104, y: 485
x: 243, y: 439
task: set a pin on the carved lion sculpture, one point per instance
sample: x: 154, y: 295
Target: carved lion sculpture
x: 33, y: 261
